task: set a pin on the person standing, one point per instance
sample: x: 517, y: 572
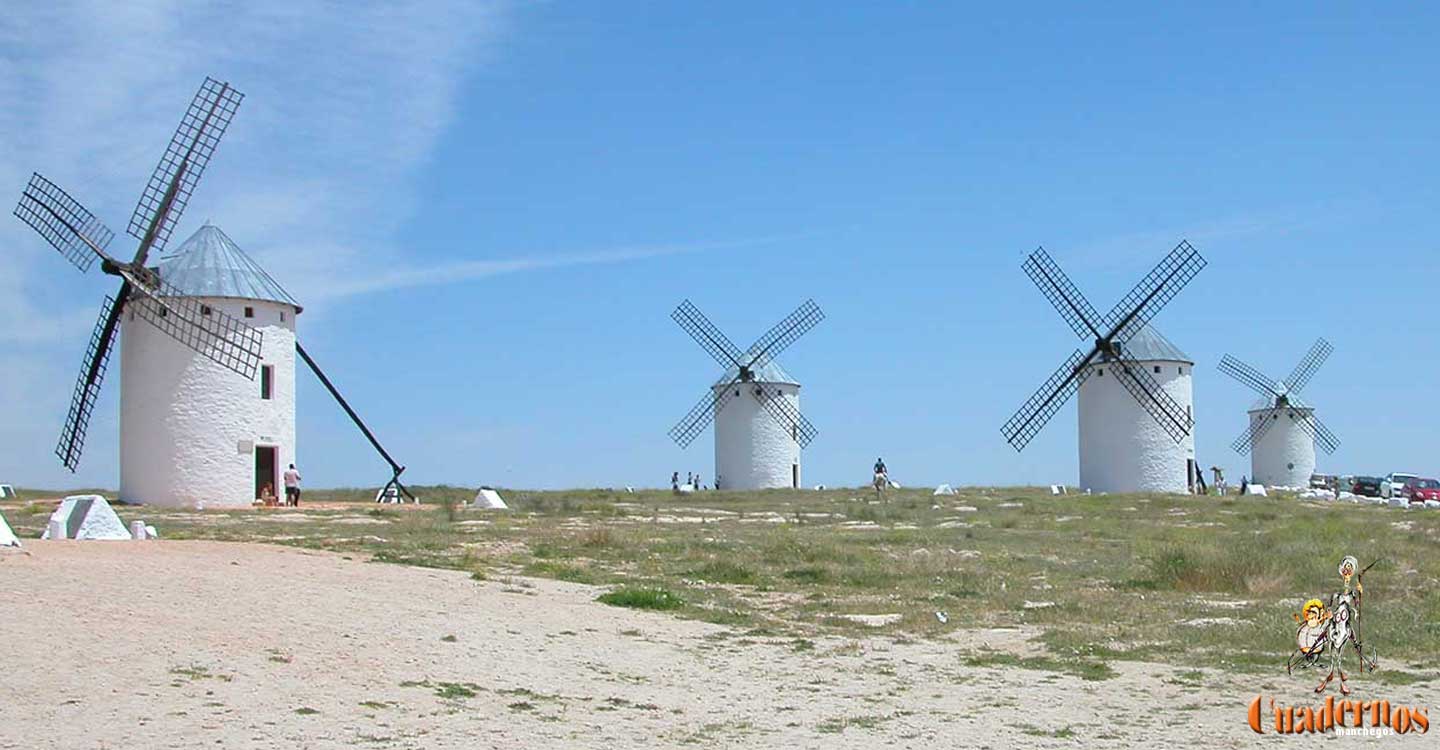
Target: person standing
x: 675, y: 482
x: 292, y: 487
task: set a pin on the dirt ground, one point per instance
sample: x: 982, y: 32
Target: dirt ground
x: 190, y: 644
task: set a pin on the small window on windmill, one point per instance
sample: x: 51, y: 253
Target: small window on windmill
x: 1099, y: 372
x: 737, y: 391
x: 1157, y: 369
x: 205, y: 310
x: 249, y: 312
x: 1181, y: 368
x: 282, y: 317
x: 267, y: 382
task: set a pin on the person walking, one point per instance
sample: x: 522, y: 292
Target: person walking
x: 292, y: 487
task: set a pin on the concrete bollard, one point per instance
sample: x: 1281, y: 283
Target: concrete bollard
x: 55, y: 530
x: 137, y: 530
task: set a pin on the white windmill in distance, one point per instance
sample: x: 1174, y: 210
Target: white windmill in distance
x: 755, y: 405
x: 1283, y: 431
x: 1135, y: 391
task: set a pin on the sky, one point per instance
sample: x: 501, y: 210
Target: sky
x: 489, y: 209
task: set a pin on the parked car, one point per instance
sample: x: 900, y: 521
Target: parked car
x: 1420, y: 490
x: 1394, y: 482
x: 1368, y: 486
x: 1322, y: 481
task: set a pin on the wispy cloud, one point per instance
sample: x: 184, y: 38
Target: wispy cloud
x: 462, y: 271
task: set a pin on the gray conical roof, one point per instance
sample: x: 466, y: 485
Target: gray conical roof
x: 770, y: 372
x: 210, y: 264
x: 1149, y: 345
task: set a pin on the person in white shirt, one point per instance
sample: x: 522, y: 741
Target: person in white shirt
x: 292, y: 486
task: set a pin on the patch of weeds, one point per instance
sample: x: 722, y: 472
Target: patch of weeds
x: 446, y: 690
x: 306, y: 711
x: 807, y: 575
x: 521, y: 706
x: 448, y: 638
x: 1395, y: 677
x: 478, y: 575
x: 278, y: 656
x: 560, y: 571
x: 1062, y: 733
x: 1084, y: 669
x: 642, y: 598
x: 802, y: 644
x: 376, y: 705
x: 456, y: 690
x: 839, y: 725
x: 724, y: 571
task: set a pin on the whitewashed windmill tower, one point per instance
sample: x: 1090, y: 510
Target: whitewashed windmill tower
x: 191, y: 432
x: 1135, y: 396
x: 207, y: 408
x: 755, y: 404
x: 1283, y: 431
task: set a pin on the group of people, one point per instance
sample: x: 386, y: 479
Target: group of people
x: 291, y: 477
x: 691, y: 480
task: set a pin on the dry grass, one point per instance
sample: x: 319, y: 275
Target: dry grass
x: 1102, y: 577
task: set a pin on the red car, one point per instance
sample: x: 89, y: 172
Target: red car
x: 1420, y: 490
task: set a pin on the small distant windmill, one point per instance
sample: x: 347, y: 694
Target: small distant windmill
x: 182, y: 419
x: 755, y: 405
x: 1283, y: 431
x: 1135, y: 422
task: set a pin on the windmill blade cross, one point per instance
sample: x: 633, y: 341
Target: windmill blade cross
x: 1251, y: 377
x: 701, y: 414
x: 1305, y: 370
x: 707, y: 335
x: 221, y: 338
x: 1154, y: 291
x: 786, y: 332
x: 1152, y: 398
x: 1063, y: 295
x: 1037, y: 410
x: 788, y: 417
x: 182, y: 164
x: 87, y: 385
x: 68, y: 226
x: 1257, y: 429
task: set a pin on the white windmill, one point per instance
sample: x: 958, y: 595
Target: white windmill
x: 195, y: 427
x: 1283, y: 431
x: 755, y: 404
x: 1135, y: 396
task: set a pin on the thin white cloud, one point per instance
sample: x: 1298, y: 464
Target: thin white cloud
x: 462, y: 271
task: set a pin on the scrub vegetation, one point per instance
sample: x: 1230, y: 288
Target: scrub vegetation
x: 1185, y: 580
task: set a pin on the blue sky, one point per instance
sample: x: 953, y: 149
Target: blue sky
x: 489, y: 211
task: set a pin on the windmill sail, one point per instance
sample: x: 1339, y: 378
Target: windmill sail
x: 185, y: 158
x: 68, y: 226
x: 87, y: 385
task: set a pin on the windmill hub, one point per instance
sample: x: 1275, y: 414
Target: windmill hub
x: 747, y: 375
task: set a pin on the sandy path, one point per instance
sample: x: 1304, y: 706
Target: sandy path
x: 184, y: 644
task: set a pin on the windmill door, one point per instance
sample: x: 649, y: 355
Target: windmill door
x: 264, y: 469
